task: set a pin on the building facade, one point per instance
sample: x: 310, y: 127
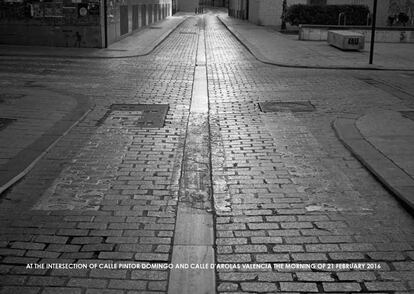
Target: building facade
x: 269, y: 12
x: 76, y: 23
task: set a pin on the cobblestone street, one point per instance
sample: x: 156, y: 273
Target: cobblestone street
x: 271, y: 188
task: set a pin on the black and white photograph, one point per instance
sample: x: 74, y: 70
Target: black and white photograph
x: 206, y: 146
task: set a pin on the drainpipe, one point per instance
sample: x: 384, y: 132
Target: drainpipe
x: 106, y: 23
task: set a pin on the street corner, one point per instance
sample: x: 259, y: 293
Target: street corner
x: 33, y: 119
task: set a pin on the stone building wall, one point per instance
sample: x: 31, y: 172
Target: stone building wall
x: 62, y: 23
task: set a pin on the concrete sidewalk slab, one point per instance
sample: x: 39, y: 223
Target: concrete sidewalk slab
x: 40, y: 118
x: 272, y: 47
x: 383, y: 142
x: 140, y: 43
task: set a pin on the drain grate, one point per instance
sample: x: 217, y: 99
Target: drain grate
x: 293, y: 106
x: 4, y: 122
x: 135, y: 115
x: 155, y: 28
x: 188, y: 33
x: 408, y: 114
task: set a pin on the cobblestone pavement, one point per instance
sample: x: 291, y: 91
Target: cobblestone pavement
x: 284, y: 188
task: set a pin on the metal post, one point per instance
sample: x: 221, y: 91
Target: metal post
x: 374, y: 20
x: 283, y: 24
x: 105, y: 22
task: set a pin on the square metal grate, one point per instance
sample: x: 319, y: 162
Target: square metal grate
x: 293, y: 106
x: 135, y: 115
x: 4, y: 122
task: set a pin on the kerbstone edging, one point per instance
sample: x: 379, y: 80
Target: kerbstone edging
x: 24, y: 161
x: 389, y: 174
x: 260, y: 57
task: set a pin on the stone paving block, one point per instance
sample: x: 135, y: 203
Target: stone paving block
x: 19, y: 289
x: 266, y: 240
x: 46, y: 281
x: 149, y: 275
x: 27, y: 245
x: 356, y: 276
x: 127, y: 285
x: 97, y: 247
x: 234, y: 258
x: 404, y: 266
x: 87, y: 283
x: 121, y: 240
x: 12, y: 280
x: 103, y: 291
x: 63, y: 248
x: 258, y: 287
x: 250, y: 248
x: 341, y: 287
x: 86, y: 240
x: 298, y: 287
x: 314, y: 277
x: 287, y: 248
x: 396, y: 275
x: 275, y: 277
x: 231, y: 241
x: 13, y: 252
x: 387, y: 255
x: 321, y: 247
x: 53, y: 290
x: 385, y: 286
x: 346, y: 256
x: 42, y: 254
x: 51, y: 239
x: 231, y: 287
x: 19, y: 260
x: 116, y: 255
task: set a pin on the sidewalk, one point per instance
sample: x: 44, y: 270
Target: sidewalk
x: 139, y: 43
x: 272, y: 47
x: 32, y: 121
x: 383, y: 141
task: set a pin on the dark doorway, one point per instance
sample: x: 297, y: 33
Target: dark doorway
x: 174, y: 7
x: 143, y: 15
x: 124, y: 19
x: 135, y: 13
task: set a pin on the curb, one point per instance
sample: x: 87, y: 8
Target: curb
x: 153, y: 46
x: 256, y: 53
x: 397, y: 181
x: 21, y: 164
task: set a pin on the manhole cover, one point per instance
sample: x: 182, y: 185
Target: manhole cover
x: 295, y: 106
x: 4, y: 122
x: 135, y: 115
x: 408, y: 114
